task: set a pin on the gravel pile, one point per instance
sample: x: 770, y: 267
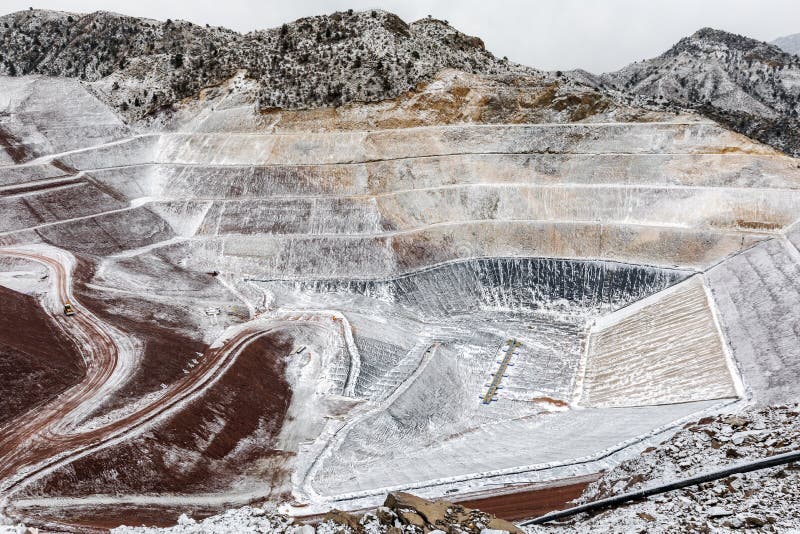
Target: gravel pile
x: 767, y: 500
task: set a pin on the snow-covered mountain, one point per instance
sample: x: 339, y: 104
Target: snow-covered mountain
x: 748, y: 85
x: 788, y: 43
x: 141, y: 65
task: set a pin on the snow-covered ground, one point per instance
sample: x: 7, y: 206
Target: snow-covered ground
x: 389, y: 268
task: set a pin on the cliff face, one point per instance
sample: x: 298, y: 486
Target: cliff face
x: 140, y: 65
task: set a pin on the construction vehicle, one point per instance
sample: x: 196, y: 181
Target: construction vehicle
x: 68, y: 309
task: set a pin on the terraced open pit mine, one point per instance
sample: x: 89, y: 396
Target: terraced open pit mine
x: 318, y: 307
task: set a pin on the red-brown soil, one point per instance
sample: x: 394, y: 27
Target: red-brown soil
x: 167, y: 347
x: 527, y: 504
x: 223, y: 437
x: 165, y: 351
x: 515, y: 503
x: 516, y: 506
x: 88, y: 519
x: 220, y: 438
x: 37, y: 361
x: 550, y: 400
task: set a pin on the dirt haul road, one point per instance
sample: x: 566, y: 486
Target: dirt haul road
x: 42, y: 439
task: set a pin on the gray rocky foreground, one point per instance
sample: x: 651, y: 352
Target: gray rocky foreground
x: 401, y: 513
x: 763, y: 501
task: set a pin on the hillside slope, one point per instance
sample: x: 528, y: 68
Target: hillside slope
x: 788, y: 43
x: 747, y: 85
x: 140, y: 65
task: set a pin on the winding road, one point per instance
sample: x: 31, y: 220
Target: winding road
x: 45, y: 438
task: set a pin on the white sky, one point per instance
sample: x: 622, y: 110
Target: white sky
x: 597, y: 35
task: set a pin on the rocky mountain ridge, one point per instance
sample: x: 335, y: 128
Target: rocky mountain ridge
x: 141, y: 66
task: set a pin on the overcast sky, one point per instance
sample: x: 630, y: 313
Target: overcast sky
x: 597, y: 35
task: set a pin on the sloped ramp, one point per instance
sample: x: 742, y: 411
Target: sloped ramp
x: 664, y: 349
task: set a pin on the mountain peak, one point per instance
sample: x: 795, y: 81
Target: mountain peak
x: 708, y: 32
x: 711, y: 39
x: 746, y: 84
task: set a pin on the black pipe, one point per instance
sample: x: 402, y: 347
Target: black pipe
x: 764, y: 463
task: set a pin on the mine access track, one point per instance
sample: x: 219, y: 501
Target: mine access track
x: 511, y: 345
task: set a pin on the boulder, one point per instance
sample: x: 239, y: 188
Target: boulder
x: 407, y: 517
x: 718, y: 511
x: 343, y: 518
x: 385, y: 515
x: 443, y: 514
x: 433, y: 512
